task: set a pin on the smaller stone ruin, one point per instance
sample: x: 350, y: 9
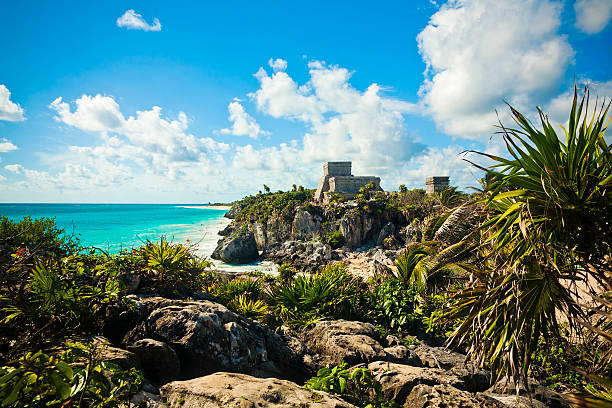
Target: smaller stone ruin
x: 435, y: 184
x: 338, y: 180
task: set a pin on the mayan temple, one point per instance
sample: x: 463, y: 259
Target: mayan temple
x: 337, y: 179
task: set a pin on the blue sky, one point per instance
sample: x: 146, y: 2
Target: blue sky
x: 207, y: 101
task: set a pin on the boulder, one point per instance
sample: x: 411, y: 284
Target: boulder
x: 398, y: 380
x: 221, y: 390
x: 536, y: 391
x: 236, y: 249
x: 123, y: 358
x: 387, y: 231
x: 130, y: 281
x: 447, y: 396
x: 352, y: 342
x: 474, y: 379
x: 207, y: 337
x: 159, y: 361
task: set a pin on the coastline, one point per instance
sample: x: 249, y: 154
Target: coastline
x: 208, y: 207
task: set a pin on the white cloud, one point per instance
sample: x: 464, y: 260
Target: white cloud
x: 14, y: 168
x: 243, y: 124
x: 132, y: 20
x: 9, y: 111
x: 136, y: 155
x: 480, y: 53
x: 277, y: 64
x: 592, y: 16
x: 558, y: 108
x: 341, y: 121
x: 6, y: 146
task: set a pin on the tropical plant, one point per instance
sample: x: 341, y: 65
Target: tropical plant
x: 335, y: 239
x: 394, y: 307
x: 332, y: 292
x: 253, y: 309
x: 78, y: 378
x: 546, y: 243
x: 357, y: 386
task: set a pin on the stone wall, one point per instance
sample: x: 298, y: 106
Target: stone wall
x: 435, y: 184
x: 352, y: 184
x: 337, y: 169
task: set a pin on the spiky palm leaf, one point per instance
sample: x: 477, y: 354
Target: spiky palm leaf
x: 549, y: 209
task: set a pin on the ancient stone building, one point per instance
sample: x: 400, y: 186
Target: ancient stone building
x: 337, y: 179
x: 435, y: 184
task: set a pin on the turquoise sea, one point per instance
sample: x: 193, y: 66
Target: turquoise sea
x: 115, y: 226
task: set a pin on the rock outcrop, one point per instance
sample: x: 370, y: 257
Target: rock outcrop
x: 239, y: 248
x: 308, y: 256
x: 352, y: 342
x: 207, y: 337
x: 221, y: 390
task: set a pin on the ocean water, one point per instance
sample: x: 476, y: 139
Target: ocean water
x: 113, y: 227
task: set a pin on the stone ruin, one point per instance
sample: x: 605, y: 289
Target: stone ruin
x: 337, y: 179
x: 435, y: 184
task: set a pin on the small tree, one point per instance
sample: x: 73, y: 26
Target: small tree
x: 266, y: 188
x: 402, y: 188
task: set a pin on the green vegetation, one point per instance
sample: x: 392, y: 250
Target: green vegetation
x: 544, y: 252
x: 52, y: 291
x: 258, y: 208
x: 356, y: 386
x: 335, y: 239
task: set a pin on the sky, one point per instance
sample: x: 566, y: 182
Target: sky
x: 192, y: 102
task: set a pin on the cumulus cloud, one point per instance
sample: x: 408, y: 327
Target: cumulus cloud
x: 592, y: 16
x: 341, y: 121
x: 277, y: 64
x: 6, y: 146
x: 480, y: 53
x: 243, y: 124
x: 134, y: 21
x: 9, y: 111
x: 14, y: 168
x: 135, y: 154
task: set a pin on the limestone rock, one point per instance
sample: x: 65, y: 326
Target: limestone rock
x: 474, y: 379
x: 398, y: 380
x: 447, y: 396
x: 386, y: 232
x: 537, y: 391
x: 158, y: 360
x: 130, y: 281
x: 207, y: 337
x: 123, y: 358
x: 352, y: 342
x: 309, y: 256
x: 221, y: 390
x: 305, y: 226
x: 236, y: 249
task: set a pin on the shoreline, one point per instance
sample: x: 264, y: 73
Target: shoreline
x: 207, y: 207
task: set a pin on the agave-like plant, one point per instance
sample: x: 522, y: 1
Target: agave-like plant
x: 548, y: 235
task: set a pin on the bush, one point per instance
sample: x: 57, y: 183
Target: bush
x: 77, y: 378
x: 356, y: 386
x: 395, y: 307
x: 335, y: 239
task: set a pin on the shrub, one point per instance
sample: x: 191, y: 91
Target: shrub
x: 548, y: 209
x: 77, y: 378
x: 335, y: 239
x: 356, y: 386
x: 395, y: 307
